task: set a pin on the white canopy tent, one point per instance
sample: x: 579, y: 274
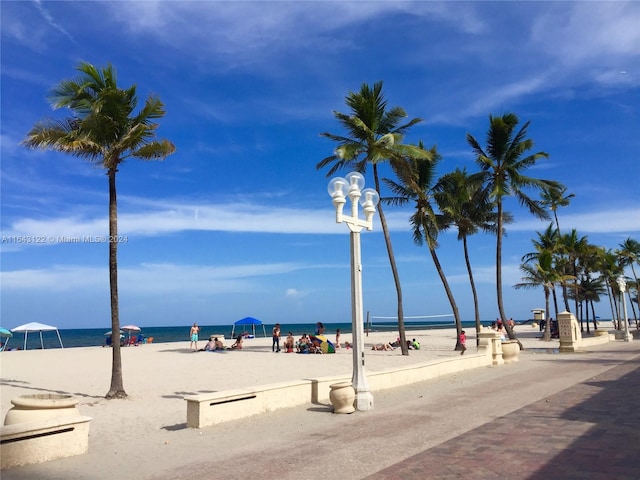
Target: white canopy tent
x: 36, y: 327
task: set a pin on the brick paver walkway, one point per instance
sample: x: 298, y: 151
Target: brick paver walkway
x: 590, y: 431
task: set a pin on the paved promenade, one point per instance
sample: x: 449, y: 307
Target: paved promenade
x: 550, y: 416
x: 588, y: 431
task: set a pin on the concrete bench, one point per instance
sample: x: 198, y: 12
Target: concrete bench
x: 209, y: 409
x: 37, y: 442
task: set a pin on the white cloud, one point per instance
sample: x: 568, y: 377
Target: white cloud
x: 623, y: 220
x: 150, y: 279
x: 166, y: 218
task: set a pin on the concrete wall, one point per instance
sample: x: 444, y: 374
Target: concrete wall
x: 213, y: 408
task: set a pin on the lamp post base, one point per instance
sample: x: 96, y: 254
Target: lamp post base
x: 364, y: 401
x: 622, y: 335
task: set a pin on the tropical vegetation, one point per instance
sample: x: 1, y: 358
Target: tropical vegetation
x: 474, y: 202
x: 105, y: 128
x: 374, y: 135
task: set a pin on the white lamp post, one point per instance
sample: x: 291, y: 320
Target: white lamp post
x: 339, y: 189
x: 622, y: 285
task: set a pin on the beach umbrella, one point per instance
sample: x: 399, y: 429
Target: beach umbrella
x: 107, y: 334
x: 130, y: 328
x: 323, y: 342
x: 5, y: 333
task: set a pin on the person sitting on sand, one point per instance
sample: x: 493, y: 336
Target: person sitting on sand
x: 415, y: 344
x: 218, y: 343
x: 210, y: 346
x: 303, y: 344
x: 238, y: 344
x: 382, y: 346
x: 288, y: 343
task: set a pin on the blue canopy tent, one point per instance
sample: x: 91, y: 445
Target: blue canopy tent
x: 248, y: 321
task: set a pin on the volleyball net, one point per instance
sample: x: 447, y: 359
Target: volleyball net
x: 377, y: 322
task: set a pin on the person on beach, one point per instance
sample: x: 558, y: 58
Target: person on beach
x: 382, y: 346
x: 210, y: 346
x: 319, y: 328
x: 463, y: 342
x: 238, y: 344
x: 501, y: 332
x: 218, y: 343
x: 288, y: 343
x: 275, y: 345
x: 415, y: 344
x: 303, y: 344
x: 337, y: 339
x: 195, y: 329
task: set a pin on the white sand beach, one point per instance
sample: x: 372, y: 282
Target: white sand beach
x: 158, y: 376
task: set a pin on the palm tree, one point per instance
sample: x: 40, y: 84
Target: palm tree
x: 548, y: 241
x: 540, y: 270
x: 502, y: 168
x: 463, y: 203
x: 629, y: 254
x: 415, y: 183
x: 104, y: 129
x: 374, y: 136
x: 573, y: 247
x: 554, y: 198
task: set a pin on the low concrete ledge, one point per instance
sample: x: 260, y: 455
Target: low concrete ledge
x: 212, y: 408
x: 37, y: 442
x: 584, y: 342
x: 402, y: 376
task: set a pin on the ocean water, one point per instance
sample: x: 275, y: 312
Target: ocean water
x: 95, y: 337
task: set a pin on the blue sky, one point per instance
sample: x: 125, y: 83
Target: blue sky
x: 238, y: 221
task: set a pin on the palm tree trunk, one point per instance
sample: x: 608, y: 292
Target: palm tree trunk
x: 117, y: 389
x: 499, y: 235
x: 546, y: 336
x: 476, y: 307
x: 394, y: 268
x: 555, y: 300
x: 452, y: 300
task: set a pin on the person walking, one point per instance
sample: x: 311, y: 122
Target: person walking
x: 463, y: 342
x: 195, y: 330
x: 275, y: 346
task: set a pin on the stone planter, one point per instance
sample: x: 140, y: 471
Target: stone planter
x: 40, y: 408
x: 510, y: 351
x: 342, y: 396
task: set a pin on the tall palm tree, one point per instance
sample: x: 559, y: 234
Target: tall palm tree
x: 374, y: 135
x: 629, y: 254
x: 554, y: 198
x: 104, y: 129
x: 463, y: 203
x: 502, y: 166
x: 415, y: 183
x: 540, y: 270
x: 573, y: 248
x: 548, y: 240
